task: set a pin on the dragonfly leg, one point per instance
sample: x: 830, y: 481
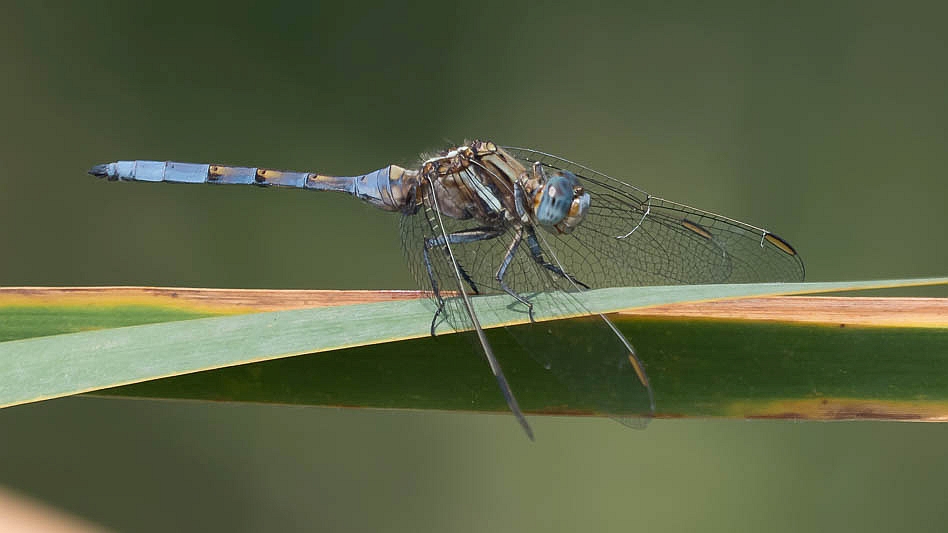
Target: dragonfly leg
x: 502, y: 271
x: 434, y: 287
x: 467, y: 278
x: 519, y: 202
x: 537, y: 254
x: 460, y: 237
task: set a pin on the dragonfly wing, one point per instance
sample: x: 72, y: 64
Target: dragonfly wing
x: 591, y: 357
x: 632, y: 238
x: 431, y: 242
x: 588, y: 355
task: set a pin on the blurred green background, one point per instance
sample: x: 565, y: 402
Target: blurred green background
x: 826, y: 123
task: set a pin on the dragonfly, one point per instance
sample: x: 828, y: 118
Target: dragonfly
x: 483, y: 219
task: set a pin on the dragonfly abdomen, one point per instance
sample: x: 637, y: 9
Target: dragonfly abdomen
x: 387, y: 188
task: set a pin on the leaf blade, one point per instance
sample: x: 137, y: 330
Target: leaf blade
x: 60, y: 365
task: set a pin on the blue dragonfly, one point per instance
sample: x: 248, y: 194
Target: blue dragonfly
x: 480, y: 219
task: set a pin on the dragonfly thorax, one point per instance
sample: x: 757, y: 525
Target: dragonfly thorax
x: 484, y: 182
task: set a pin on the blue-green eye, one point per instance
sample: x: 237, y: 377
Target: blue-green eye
x: 562, y: 204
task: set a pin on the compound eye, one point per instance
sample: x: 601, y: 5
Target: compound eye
x: 555, y: 201
x: 562, y: 203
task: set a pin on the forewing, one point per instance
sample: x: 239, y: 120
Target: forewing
x: 632, y: 238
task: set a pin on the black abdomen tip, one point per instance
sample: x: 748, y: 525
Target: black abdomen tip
x: 99, y: 171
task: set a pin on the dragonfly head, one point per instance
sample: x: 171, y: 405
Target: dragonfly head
x: 561, y: 203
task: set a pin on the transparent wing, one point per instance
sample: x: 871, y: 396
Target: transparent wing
x: 431, y: 252
x: 628, y: 238
x: 589, y: 355
x: 632, y: 238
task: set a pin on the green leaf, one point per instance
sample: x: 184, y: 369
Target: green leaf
x: 697, y: 367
